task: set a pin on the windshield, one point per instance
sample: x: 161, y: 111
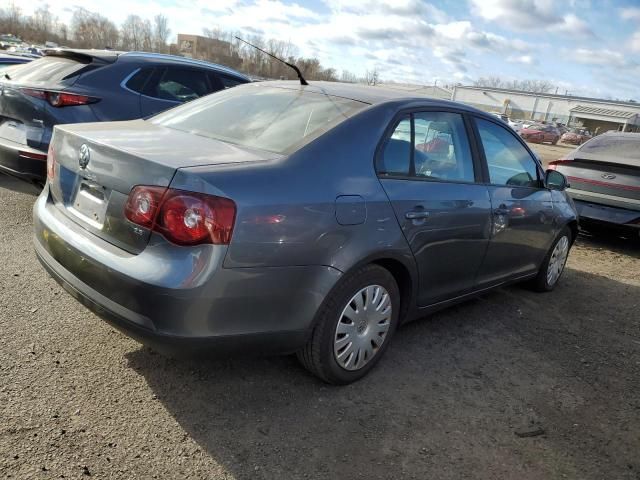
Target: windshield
x: 268, y: 118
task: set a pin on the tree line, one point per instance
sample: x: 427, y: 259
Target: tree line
x: 93, y: 30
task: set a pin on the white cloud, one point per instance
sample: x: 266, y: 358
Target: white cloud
x: 630, y: 13
x: 523, y: 59
x: 530, y: 15
x: 635, y: 42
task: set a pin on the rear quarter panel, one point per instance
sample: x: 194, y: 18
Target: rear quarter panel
x: 287, y: 208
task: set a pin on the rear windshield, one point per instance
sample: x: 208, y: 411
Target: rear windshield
x: 614, y: 146
x: 46, y: 69
x: 267, y: 118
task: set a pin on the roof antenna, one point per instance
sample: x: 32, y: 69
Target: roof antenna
x: 302, y: 80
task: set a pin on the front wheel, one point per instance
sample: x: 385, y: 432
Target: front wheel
x: 554, y: 262
x: 354, y: 326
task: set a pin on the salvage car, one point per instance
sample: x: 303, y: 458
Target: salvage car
x: 539, y: 133
x: 314, y: 219
x: 75, y: 86
x: 576, y: 136
x: 604, y: 174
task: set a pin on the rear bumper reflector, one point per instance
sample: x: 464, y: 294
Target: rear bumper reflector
x: 32, y: 155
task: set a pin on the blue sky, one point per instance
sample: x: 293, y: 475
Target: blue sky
x: 588, y: 47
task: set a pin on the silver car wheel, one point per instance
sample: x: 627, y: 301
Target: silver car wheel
x: 557, y: 260
x: 362, y: 327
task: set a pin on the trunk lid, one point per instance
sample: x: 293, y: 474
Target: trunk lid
x: 621, y: 180
x: 121, y: 156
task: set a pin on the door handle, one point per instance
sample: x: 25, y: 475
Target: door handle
x: 416, y: 215
x: 501, y: 210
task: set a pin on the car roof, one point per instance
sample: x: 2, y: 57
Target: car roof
x: 372, y: 95
x: 110, y: 56
x: 185, y: 60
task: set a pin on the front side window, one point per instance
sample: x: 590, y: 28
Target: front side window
x: 508, y: 161
x: 439, y: 149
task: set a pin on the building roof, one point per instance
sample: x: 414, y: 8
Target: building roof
x: 607, y: 112
x: 552, y: 95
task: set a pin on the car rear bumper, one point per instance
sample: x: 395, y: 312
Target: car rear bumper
x: 14, y: 161
x: 594, y: 212
x: 179, y: 305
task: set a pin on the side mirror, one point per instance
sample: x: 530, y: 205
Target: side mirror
x: 555, y: 180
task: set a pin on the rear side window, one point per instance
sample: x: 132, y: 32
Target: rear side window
x: 229, y: 82
x: 50, y: 69
x: 138, y: 80
x: 177, y: 84
x: 439, y: 149
x: 508, y: 161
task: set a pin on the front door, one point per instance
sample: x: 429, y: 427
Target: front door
x: 523, y: 215
x: 428, y: 172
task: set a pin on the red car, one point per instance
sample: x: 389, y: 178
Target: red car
x: 576, y: 136
x: 540, y: 134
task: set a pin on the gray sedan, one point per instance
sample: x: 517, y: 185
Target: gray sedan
x: 281, y: 218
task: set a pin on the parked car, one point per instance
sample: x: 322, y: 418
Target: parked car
x: 77, y: 86
x: 539, y: 133
x: 8, y: 60
x: 576, y: 136
x: 516, y: 125
x: 604, y: 173
x: 306, y: 222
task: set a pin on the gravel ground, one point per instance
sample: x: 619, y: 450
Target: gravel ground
x: 512, y: 385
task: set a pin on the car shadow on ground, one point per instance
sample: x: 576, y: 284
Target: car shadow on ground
x: 511, y: 385
x: 12, y: 183
x: 624, y: 243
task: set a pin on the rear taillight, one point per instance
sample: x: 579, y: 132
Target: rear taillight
x: 554, y: 165
x: 51, y: 163
x: 184, y: 218
x: 60, y: 99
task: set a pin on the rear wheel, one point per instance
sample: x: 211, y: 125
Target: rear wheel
x: 553, y: 264
x: 354, y: 327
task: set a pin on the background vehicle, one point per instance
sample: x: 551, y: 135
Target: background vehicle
x: 604, y: 174
x: 76, y: 86
x: 516, y: 125
x: 501, y: 116
x: 539, y: 133
x: 307, y: 221
x: 576, y: 136
x: 7, y: 60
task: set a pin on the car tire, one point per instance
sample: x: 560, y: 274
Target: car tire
x: 556, y: 259
x: 555, y: 142
x: 336, y: 338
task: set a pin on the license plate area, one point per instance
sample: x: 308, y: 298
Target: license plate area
x: 90, y: 203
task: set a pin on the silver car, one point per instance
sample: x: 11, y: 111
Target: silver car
x: 279, y: 218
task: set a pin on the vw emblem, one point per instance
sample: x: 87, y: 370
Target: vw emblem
x: 608, y: 176
x: 83, y: 156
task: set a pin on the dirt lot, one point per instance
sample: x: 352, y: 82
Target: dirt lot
x: 548, y: 152
x: 513, y: 385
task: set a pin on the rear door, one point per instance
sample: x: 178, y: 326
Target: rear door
x: 171, y: 86
x: 427, y: 168
x: 523, y: 216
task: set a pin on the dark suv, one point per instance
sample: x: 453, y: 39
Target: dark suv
x: 77, y: 86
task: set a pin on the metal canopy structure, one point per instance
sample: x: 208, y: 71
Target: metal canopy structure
x: 605, y: 114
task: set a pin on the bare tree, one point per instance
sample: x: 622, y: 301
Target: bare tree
x: 92, y: 30
x: 372, y: 77
x: 348, y: 77
x: 161, y: 33
x: 534, y: 86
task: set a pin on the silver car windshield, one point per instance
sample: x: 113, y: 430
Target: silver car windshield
x: 267, y: 118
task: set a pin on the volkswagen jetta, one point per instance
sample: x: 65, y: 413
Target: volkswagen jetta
x: 278, y: 217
